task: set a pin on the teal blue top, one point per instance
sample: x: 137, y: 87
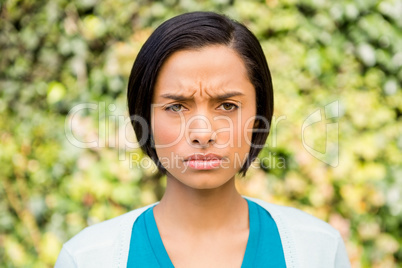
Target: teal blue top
x: 264, y: 246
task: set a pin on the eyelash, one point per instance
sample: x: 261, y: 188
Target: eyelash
x: 233, y: 106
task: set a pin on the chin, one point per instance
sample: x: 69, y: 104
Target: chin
x: 202, y: 180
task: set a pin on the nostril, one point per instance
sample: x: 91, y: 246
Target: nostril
x: 202, y: 144
x: 203, y: 137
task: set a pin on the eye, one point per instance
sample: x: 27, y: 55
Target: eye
x: 175, y: 108
x: 229, y: 106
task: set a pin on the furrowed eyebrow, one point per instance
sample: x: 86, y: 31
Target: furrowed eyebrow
x: 217, y: 97
x: 175, y: 97
x: 228, y: 95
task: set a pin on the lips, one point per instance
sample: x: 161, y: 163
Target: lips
x: 203, y: 161
x: 203, y: 157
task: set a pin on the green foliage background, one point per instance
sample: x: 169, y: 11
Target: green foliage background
x: 57, y: 54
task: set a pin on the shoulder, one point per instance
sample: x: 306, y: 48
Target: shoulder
x: 297, y: 219
x: 100, y: 245
x: 307, y: 241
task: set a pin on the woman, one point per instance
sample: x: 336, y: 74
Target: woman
x: 200, y: 99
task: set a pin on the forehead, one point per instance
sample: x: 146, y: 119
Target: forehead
x: 201, y: 72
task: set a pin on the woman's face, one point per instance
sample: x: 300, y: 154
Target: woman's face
x: 203, y: 111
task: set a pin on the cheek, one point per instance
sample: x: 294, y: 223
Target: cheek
x: 247, y: 125
x: 163, y: 131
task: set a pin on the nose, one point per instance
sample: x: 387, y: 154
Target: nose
x: 201, y: 133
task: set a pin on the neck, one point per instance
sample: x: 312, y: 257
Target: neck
x: 200, y: 209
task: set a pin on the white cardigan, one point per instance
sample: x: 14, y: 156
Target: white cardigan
x: 307, y: 241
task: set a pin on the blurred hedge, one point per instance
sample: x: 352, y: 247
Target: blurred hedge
x: 55, y: 55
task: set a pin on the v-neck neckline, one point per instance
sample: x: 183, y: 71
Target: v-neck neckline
x: 162, y: 256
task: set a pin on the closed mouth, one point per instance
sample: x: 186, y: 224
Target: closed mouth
x: 203, y: 157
